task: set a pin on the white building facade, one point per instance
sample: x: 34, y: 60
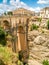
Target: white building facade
x: 44, y: 13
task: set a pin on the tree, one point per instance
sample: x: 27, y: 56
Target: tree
x: 9, y: 13
x: 2, y: 37
x: 5, y: 13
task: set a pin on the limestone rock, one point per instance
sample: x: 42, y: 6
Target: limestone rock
x: 38, y: 44
x: 46, y: 43
x: 43, y: 25
x: 36, y: 23
x: 34, y: 33
x: 39, y: 40
x: 31, y: 44
x: 33, y: 62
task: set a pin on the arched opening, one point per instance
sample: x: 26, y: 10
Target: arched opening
x: 6, y: 24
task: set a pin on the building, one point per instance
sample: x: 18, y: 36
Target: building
x: 23, y: 11
x: 44, y: 13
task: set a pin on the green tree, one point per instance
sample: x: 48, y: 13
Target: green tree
x: 2, y: 37
x: 9, y: 13
x: 5, y: 13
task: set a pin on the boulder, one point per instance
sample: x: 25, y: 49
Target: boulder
x: 39, y: 40
x: 34, y: 33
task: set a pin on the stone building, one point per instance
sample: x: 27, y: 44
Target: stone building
x: 44, y: 13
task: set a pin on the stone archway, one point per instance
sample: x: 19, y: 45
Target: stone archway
x: 6, y: 25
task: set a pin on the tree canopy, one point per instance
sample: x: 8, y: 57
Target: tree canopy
x: 2, y: 37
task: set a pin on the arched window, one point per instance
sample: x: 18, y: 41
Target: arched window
x: 6, y: 24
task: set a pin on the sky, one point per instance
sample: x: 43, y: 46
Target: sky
x: 33, y: 5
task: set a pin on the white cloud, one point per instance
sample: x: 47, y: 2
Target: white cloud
x: 37, y: 9
x: 19, y: 3
x: 17, y: 0
x: 43, y: 1
x: 4, y: 1
x: 14, y: 4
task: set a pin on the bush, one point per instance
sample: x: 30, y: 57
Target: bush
x: 1, y: 62
x: 19, y: 62
x: 45, y: 62
x: 6, y: 56
x: 39, y: 19
x: 48, y: 24
x: 2, y: 37
x: 34, y: 27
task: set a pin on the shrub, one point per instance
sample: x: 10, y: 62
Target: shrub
x: 19, y: 62
x: 39, y: 19
x: 1, y: 62
x: 34, y: 27
x: 48, y: 24
x: 7, y: 57
x: 45, y: 62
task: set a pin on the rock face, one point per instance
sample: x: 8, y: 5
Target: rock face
x: 33, y: 62
x: 46, y: 43
x: 38, y: 43
x: 38, y: 47
x: 43, y: 24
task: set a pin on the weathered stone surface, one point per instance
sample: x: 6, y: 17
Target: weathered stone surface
x: 34, y: 33
x: 39, y: 40
x: 39, y: 47
x: 38, y: 44
x: 37, y: 23
x: 46, y: 43
x: 31, y: 44
x: 33, y: 62
x: 43, y: 25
